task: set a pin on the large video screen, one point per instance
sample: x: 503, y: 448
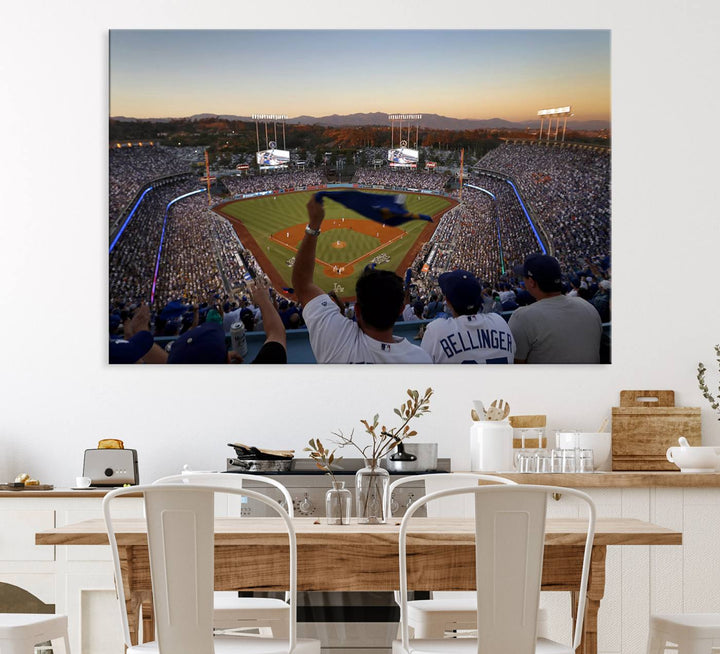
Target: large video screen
x: 273, y: 158
x: 403, y: 157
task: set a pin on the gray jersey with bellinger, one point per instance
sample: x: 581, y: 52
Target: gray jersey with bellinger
x: 557, y: 329
x: 479, y: 338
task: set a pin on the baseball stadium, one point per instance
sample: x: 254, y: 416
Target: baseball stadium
x: 185, y: 238
x: 340, y: 232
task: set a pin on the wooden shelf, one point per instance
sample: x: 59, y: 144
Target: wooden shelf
x: 642, y: 479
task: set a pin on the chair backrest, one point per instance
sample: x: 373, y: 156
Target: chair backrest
x: 442, y: 480
x: 230, y: 479
x: 180, y: 530
x: 509, y: 545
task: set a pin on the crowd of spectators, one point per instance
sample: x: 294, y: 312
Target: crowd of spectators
x: 388, y: 176
x: 568, y: 191
x: 203, y: 263
x: 131, y: 168
x: 272, y: 181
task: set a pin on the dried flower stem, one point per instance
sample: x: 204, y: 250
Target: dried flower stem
x: 713, y: 400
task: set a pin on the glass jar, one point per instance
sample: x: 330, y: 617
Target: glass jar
x: 338, y: 501
x: 371, y: 486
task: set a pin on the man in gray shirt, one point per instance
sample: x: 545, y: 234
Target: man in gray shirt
x: 556, y: 328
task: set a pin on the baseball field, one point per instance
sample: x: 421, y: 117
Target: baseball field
x: 273, y: 226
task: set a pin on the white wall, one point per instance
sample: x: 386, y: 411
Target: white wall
x: 58, y: 397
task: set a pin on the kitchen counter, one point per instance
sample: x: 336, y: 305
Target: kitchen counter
x: 640, y: 479
x: 57, y: 493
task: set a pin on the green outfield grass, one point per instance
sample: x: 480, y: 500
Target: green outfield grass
x: 266, y: 215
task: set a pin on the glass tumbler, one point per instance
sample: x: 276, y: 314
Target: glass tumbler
x: 585, y: 461
x: 526, y: 461
x: 568, y: 460
x: 543, y: 461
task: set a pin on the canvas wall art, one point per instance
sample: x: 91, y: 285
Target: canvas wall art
x: 359, y: 196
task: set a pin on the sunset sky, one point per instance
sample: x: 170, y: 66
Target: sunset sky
x: 462, y: 74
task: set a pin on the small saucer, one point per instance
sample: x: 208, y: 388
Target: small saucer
x: 84, y: 488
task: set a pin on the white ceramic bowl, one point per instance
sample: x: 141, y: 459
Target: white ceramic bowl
x: 599, y: 442
x: 695, y: 459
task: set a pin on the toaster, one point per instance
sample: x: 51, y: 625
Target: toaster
x: 111, y: 467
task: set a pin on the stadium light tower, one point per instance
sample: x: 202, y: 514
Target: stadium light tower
x: 410, y: 118
x: 554, y: 113
x: 266, y: 118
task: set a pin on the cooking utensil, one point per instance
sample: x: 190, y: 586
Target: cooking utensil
x: 602, y: 426
x: 480, y: 408
x: 402, y: 455
x: 424, y: 458
x: 498, y: 410
x: 249, y: 451
x: 261, y: 465
x: 474, y: 415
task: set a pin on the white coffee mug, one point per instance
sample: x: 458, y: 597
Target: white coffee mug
x: 82, y: 482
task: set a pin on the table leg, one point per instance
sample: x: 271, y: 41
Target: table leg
x: 596, y: 591
x: 133, y: 606
x: 148, y: 617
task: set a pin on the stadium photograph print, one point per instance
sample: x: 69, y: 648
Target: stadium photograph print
x: 309, y: 222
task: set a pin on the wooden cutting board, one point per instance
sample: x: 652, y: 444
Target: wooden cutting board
x: 643, y: 430
x: 7, y: 487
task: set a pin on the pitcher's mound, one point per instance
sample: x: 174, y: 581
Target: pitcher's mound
x: 339, y: 270
x: 339, y: 245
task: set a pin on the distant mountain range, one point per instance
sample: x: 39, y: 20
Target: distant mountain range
x: 429, y: 121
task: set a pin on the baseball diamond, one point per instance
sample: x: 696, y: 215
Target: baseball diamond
x: 273, y: 226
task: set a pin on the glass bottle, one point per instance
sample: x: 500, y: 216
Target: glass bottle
x: 371, y: 486
x: 338, y: 501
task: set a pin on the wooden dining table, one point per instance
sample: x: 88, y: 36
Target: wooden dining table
x: 251, y: 554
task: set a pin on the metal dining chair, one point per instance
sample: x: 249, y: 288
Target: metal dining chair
x: 230, y: 611
x: 693, y: 633
x: 509, y: 545
x: 181, y: 545
x: 21, y: 632
x: 449, y: 611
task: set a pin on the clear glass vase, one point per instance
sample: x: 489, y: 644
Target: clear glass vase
x: 338, y: 503
x: 371, y: 485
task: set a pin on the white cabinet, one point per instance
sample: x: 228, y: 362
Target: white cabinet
x: 78, y: 580
x: 640, y: 579
x: 644, y: 579
x: 17, y: 537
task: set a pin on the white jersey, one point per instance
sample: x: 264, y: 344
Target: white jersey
x: 479, y: 338
x: 335, y: 339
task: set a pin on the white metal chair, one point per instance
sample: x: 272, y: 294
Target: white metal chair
x: 180, y: 529
x: 509, y: 545
x: 20, y: 632
x: 693, y: 633
x: 231, y: 611
x: 445, y: 611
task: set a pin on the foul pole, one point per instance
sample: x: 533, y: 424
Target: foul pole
x: 462, y: 160
x: 207, y: 176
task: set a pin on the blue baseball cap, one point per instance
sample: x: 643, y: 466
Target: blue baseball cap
x: 545, y: 270
x: 173, y: 310
x: 462, y: 290
x: 202, y: 344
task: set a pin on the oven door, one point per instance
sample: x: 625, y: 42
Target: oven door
x: 351, y: 622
